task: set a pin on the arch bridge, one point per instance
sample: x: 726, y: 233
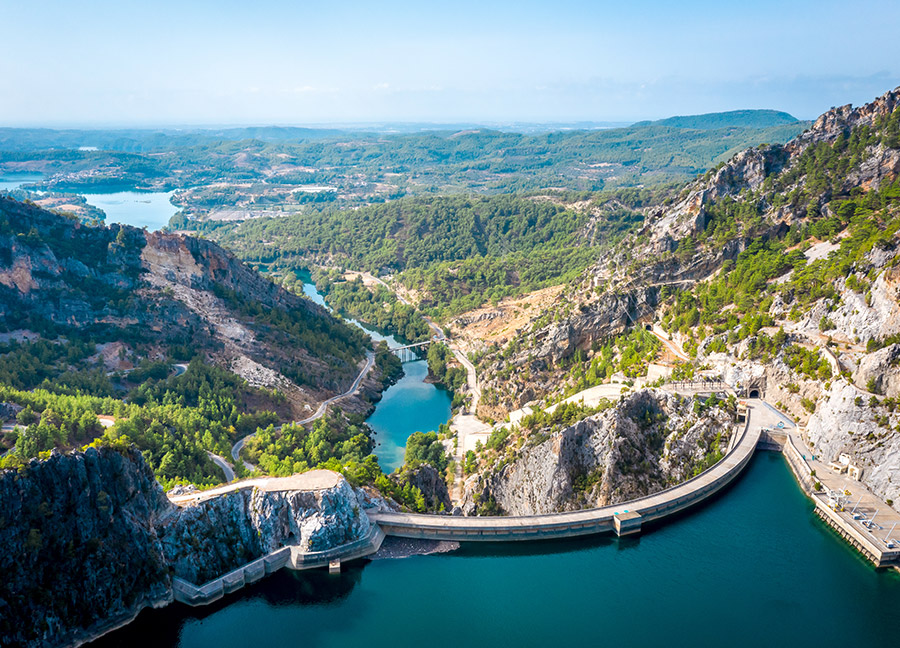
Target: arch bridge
x: 410, y: 352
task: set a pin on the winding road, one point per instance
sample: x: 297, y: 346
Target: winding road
x: 370, y: 362
x: 224, y: 465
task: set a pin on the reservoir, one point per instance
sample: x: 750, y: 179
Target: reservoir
x: 411, y: 405
x: 10, y: 181
x: 151, y: 209
x: 751, y: 567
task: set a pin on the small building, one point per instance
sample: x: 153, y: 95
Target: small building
x: 844, y: 465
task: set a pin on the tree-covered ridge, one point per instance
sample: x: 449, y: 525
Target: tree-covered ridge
x: 322, y: 337
x: 424, y: 163
x: 174, y: 421
x: 411, y: 232
x: 456, y: 253
x: 97, y: 284
x: 801, y: 236
x: 729, y: 119
x: 334, y: 442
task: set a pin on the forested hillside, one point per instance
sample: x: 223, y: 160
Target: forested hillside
x: 455, y: 253
x: 776, y: 271
x: 240, y: 173
x: 183, y: 347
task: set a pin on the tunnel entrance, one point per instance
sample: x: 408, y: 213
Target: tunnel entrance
x: 754, y: 393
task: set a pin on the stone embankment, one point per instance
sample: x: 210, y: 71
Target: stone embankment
x: 291, y: 557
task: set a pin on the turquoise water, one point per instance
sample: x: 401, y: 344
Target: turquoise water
x: 411, y: 405
x: 752, y: 567
x: 10, y: 181
x: 140, y: 209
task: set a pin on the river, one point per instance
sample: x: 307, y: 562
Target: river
x: 411, y: 405
x: 751, y: 567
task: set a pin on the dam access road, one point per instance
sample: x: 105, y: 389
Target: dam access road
x: 320, y: 411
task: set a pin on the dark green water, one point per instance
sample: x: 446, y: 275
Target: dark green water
x: 753, y: 567
x: 411, y: 405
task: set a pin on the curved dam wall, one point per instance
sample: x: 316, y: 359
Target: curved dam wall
x: 622, y: 518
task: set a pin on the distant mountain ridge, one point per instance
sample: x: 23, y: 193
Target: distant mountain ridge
x: 729, y: 119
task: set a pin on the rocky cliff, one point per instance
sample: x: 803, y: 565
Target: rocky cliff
x: 89, y: 539
x: 760, y: 194
x: 151, y: 291
x: 649, y: 441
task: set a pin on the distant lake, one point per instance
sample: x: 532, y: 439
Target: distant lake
x: 10, y: 181
x: 140, y: 209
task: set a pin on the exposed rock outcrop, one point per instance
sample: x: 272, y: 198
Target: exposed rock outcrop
x: 429, y: 481
x: 89, y: 539
x: 844, y: 422
x: 650, y: 440
x: 881, y: 371
x: 78, y: 548
x: 170, y: 290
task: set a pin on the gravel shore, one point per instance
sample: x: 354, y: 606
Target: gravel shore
x: 406, y: 547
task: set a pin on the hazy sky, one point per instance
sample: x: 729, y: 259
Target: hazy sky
x: 194, y: 62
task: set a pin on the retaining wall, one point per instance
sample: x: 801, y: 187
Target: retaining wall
x: 291, y: 557
x: 868, y: 547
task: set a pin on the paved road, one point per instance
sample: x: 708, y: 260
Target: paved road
x: 669, y: 344
x: 370, y: 362
x: 310, y: 480
x: 224, y: 465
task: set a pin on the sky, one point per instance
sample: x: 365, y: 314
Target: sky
x: 163, y: 62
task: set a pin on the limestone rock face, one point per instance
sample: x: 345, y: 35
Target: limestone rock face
x: 174, y: 290
x: 650, y: 440
x: 78, y: 550
x: 434, y: 489
x: 856, y: 316
x: 881, y: 369
x: 207, y: 540
x: 842, y: 423
x: 95, y: 529
x: 687, y: 216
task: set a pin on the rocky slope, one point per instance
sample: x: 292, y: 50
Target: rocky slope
x: 89, y: 539
x: 152, y: 291
x: 649, y: 441
x: 777, y: 271
x: 778, y: 187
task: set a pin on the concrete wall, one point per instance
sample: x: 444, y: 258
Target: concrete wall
x: 291, y: 557
x: 564, y: 525
x: 879, y: 556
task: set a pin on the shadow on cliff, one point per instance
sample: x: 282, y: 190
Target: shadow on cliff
x: 282, y: 589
